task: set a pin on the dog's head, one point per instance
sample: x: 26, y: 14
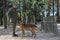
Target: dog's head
x: 20, y: 21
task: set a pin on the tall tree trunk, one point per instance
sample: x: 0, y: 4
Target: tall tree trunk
x: 58, y: 10
x: 24, y: 11
x: 48, y: 14
x: 1, y: 13
x: 4, y: 13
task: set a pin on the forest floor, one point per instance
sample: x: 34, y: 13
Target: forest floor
x: 6, y: 34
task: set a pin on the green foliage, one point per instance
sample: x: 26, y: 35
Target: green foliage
x: 17, y: 1
x: 31, y: 3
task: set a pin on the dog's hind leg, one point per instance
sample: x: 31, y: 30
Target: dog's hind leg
x: 23, y: 33
x: 33, y: 33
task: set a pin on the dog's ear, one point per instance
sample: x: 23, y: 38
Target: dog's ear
x: 19, y: 19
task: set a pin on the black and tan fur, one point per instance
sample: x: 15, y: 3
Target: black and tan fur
x: 30, y: 27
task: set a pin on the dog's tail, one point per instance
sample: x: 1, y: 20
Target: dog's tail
x: 37, y: 28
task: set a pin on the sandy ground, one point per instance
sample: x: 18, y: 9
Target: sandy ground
x: 6, y: 34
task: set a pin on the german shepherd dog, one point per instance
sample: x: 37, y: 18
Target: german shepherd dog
x: 30, y: 27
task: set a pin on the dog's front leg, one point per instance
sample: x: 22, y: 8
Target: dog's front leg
x: 23, y: 33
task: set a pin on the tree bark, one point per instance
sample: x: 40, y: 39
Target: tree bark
x: 4, y: 13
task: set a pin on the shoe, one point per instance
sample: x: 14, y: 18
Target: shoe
x: 15, y: 35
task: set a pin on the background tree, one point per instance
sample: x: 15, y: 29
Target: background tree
x: 4, y: 13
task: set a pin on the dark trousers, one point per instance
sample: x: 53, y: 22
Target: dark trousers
x: 14, y: 25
